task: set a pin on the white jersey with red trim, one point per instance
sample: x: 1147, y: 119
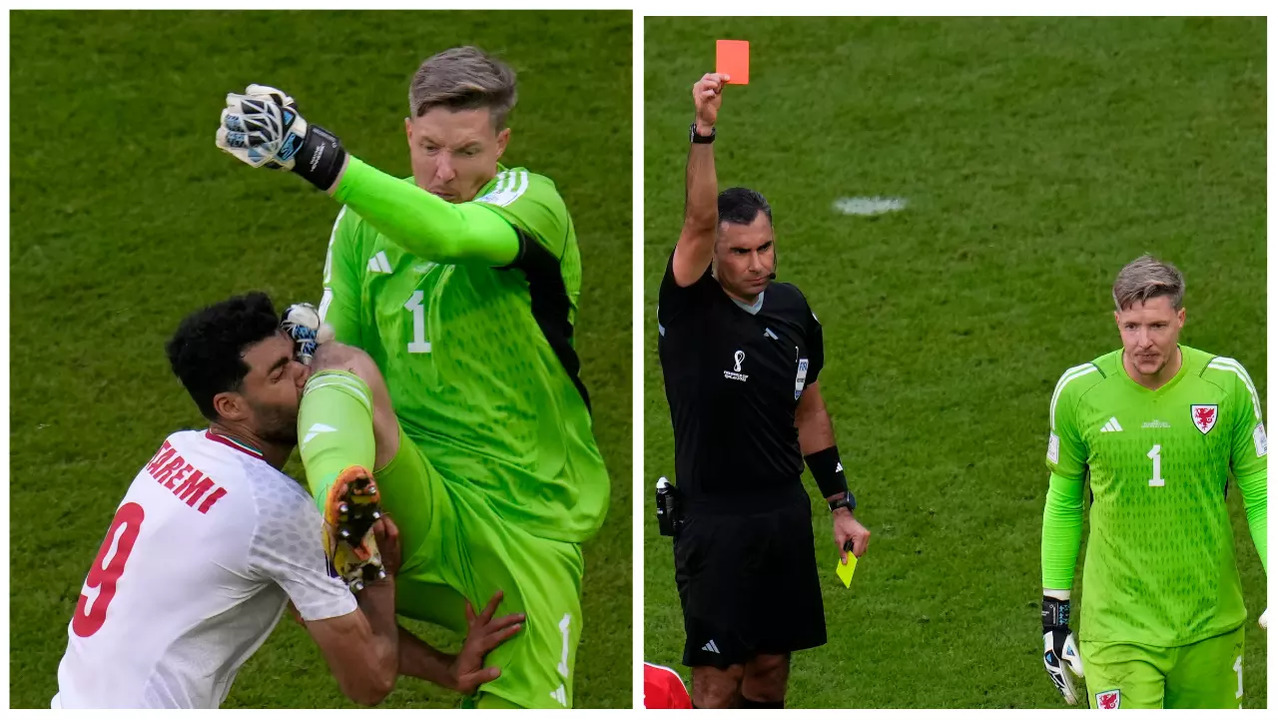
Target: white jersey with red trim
x: 195, y: 570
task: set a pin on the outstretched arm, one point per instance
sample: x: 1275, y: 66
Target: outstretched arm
x: 701, y: 202
x: 423, y: 224
x: 262, y: 128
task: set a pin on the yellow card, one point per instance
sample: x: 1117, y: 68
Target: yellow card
x: 845, y: 571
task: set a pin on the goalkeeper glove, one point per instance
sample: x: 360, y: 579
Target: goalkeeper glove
x: 1060, y: 652
x: 263, y: 128
x: 1264, y: 619
x: 301, y: 322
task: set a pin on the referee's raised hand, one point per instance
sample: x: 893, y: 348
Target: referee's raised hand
x: 848, y: 530
x: 707, y: 95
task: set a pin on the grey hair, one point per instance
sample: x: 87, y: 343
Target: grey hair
x: 463, y: 78
x: 1146, y: 278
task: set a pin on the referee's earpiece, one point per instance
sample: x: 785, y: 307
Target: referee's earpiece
x: 776, y: 260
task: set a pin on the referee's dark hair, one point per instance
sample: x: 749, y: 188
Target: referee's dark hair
x: 740, y: 206
x: 206, y: 351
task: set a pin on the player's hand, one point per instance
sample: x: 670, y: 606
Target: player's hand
x: 262, y: 128
x: 707, y: 96
x: 1060, y: 651
x: 484, y: 634
x: 849, y: 534
x: 387, y: 536
x: 301, y: 322
x: 1264, y: 620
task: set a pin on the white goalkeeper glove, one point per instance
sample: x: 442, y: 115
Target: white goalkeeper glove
x: 301, y: 321
x: 1060, y: 652
x: 1264, y: 619
x: 263, y: 128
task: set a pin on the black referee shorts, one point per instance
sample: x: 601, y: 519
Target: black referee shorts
x: 748, y: 584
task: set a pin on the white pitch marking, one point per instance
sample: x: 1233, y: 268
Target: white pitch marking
x: 869, y: 205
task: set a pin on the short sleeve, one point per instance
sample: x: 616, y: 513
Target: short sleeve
x: 287, y: 549
x: 531, y: 203
x: 1066, y: 449
x: 816, y: 348
x: 674, y: 302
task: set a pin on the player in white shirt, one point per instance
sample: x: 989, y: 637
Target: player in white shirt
x: 212, y: 541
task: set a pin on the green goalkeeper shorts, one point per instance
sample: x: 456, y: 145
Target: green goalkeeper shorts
x: 455, y: 548
x: 1206, y: 674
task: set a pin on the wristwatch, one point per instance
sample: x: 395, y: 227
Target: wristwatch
x: 700, y: 139
x: 847, y: 500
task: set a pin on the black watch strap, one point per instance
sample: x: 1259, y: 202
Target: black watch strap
x: 847, y: 500
x: 700, y: 139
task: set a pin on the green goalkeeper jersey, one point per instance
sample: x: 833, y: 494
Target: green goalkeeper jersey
x: 480, y: 362
x: 1160, y: 566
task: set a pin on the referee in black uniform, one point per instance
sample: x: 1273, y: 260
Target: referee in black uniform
x: 741, y: 355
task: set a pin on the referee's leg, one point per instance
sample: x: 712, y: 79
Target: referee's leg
x: 715, y: 688
x: 764, y: 681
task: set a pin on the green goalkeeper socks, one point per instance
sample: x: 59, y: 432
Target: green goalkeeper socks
x: 335, y: 428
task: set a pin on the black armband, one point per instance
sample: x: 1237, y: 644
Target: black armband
x: 828, y: 471
x: 320, y: 158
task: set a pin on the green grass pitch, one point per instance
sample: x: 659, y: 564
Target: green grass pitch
x: 124, y: 217
x: 1037, y: 157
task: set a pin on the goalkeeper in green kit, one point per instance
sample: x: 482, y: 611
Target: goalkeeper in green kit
x: 1158, y: 427
x: 451, y: 398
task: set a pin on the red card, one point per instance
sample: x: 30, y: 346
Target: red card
x: 732, y: 58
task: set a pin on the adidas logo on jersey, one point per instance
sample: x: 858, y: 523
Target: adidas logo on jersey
x: 378, y: 263
x: 711, y: 647
x: 1112, y: 426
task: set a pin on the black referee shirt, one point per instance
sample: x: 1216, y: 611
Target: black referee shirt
x: 733, y: 379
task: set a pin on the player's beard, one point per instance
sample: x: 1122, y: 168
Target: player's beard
x: 277, y: 424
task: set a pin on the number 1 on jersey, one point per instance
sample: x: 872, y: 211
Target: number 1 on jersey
x: 1157, y: 480
x: 415, y: 305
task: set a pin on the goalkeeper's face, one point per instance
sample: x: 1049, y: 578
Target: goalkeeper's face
x: 1150, y: 331
x: 272, y: 390
x: 454, y: 152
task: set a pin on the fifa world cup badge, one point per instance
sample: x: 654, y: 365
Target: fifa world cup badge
x: 1109, y: 700
x: 1204, y: 417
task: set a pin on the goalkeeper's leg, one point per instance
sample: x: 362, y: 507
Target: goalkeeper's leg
x: 345, y: 427
x: 1125, y: 675
x: 346, y: 417
x: 1208, y: 674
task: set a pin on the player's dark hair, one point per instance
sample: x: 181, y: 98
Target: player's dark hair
x: 206, y: 351
x: 740, y: 206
